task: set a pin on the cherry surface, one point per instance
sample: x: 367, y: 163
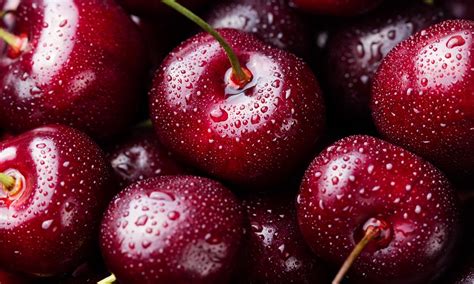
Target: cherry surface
x: 461, y: 9
x: 256, y: 135
x: 173, y: 229
x: 357, y: 49
x: 272, y: 21
x: 361, y: 181
x: 336, y: 7
x: 48, y: 226
x: 7, y: 277
x: 426, y: 106
x: 151, y: 8
x: 83, y: 66
x: 276, y: 251
x: 140, y: 156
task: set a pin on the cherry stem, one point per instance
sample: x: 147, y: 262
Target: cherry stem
x: 370, y: 234
x: 12, y: 40
x: 109, y: 280
x: 242, y: 77
x: 7, y: 181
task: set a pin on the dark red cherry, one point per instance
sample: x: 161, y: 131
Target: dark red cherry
x: 251, y: 134
x: 427, y: 106
x: 276, y: 251
x: 357, y: 49
x: 7, y: 277
x: 82, y: 64
x: 140, y: 156
x: 336, y: 7
x: 460, y: 9
x: 152, y: 8
x: 361, y: 185
x: 272, y: 21
x: 51, y: 213
x: 174, y: 229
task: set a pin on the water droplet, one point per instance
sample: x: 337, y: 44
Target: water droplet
x: 455, y: 41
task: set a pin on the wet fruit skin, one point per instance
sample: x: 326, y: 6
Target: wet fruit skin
x: 336, y: 7
x: 140, y: 156
x: 178, y: 229
x: 49, y: 226
x: 359, y: 178
x: 426, y: 106
x: 83, y: 67
x: 150, y: 8
x: 460, y: 9
x: 273, y: 21
x: 253, y: 136
x: 276, y: 251
x: 357, y: 49
x: 10, y: 278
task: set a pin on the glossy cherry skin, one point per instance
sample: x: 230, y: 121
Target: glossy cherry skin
x: 152, y: 8
x: 336, y: 7
x: 276, y: 251
x: 359, y: 178
x: 172, y: 229
x: 7, y: 277
x: 356, y: 50
x: 253, y: 136
x: 272, y: 21
x: 48, y: 227
x: 427, y: 106
x: 460, y: 9
x: 140, y: 156
x: 83, y: 67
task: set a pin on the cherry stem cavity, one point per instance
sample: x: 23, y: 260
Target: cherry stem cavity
x: 16, y: 43
x: 240, y: 76
x: 370, y: 234
x: 7, y: 181
x: 109, y: 280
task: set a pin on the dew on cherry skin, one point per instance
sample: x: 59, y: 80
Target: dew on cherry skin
x: 404, y: 191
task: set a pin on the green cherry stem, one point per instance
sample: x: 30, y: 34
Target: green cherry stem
x: 109, y: 280
x: 242, y: 76
x: 7, y: 181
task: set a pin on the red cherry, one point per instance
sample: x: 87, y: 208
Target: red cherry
x: 276, y: 251
x: 82, y: 65
x: 272, y: 21
x: 427, y: 106
x: 179, y: 229
x: 405, y: 209
x: 336, y: 7
x: 7, y: 277
x: 140, y: 156
x: 356, y: 50
x: 151, y: 8
x: 51, y: 212
x: 461, y: 9
x: 253, y: 135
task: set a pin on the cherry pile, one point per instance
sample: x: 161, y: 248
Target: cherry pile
x: 236, y: 141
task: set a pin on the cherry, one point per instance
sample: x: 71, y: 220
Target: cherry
x: 178, y: 229
x: 357, y: 49
x: 461, y: 9
x: 151, y: 8
x: 273, y: 21
x: 336, y: 7
x: 466, y: 276
x: 426, y: 106
x: 54, y: 187
x: 7, y: 277
x: 75, y: 62
x: 393, y: 208
x: 277, y: 252
x: 248, y: 123
x: 140, y: 156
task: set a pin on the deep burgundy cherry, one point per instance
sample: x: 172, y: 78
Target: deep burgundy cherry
x: 276, y: 251
x: 81, y: 64
x: 51, y: 212
x: 336, y: 7
x: 151, y: 8
x: 7, y: 277
x: 427, y: 106
x: 361, y: 185
x: 89, y: 272
x: 357, y: 49
x: 460, y: 9
x: 273, y: 21
x: 250, y: 134
x: 140, y: 156
x: 173, y: 229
